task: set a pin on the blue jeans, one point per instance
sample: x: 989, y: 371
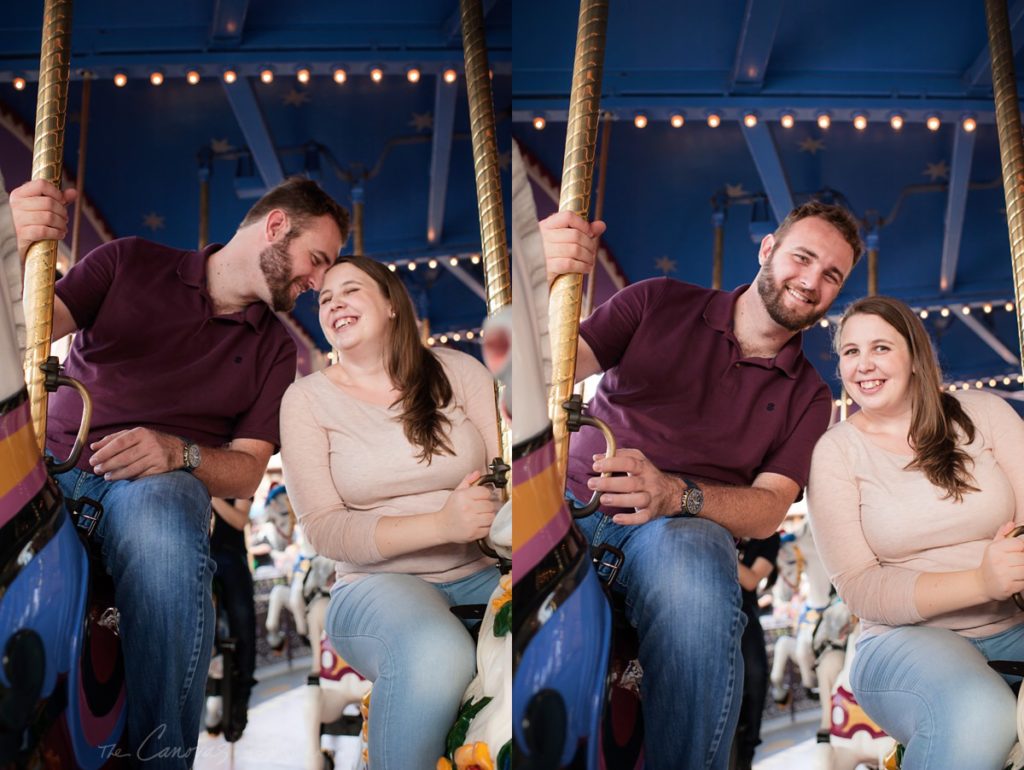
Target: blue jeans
x: 682, y: 595
x: 154, y: 541
x: 398, y: 632
x: 930, y: 689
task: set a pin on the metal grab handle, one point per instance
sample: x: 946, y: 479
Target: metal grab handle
x: 1017, y: 598
x: 497, y: 478
x: 575, y: 420
x: 54, y: 379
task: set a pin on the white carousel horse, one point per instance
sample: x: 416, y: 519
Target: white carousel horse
x: 854, y: 738
x: 798, y: 559
x: 482, y: 734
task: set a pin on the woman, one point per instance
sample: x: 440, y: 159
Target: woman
x: 911, y: 500
x: 379, y: 452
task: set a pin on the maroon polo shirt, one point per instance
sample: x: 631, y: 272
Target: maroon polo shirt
x: 152, y: 353
x: 678, y: 388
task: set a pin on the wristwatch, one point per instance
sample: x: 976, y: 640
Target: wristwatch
x: 691, y: 501
x: 191, y: 456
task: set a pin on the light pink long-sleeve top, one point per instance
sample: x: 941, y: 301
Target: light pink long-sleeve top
x: 878, y: 527
x: 347, y: 463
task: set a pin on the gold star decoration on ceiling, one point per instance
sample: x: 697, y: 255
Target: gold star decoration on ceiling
x: 735, y: 190
x: 665, y: 265
x: 422, y: 121
x: 812, y: 145
x: 935, y: 171
x: 296, y: 98
x: 221, y: 145
x: 153, y: 221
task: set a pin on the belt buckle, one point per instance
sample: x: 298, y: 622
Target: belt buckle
x: 85, y: 521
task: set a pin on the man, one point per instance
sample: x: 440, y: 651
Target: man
x: 186, y: 363
x: 719, y: 411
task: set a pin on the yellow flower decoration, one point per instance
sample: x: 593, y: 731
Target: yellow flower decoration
x: 506, y: 596
x: 475, y: 756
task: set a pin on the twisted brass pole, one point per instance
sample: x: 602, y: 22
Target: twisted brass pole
x: 717, y: 256
x: 872, y: 271
x: 493, y: 240
x: 358, y: 207
x: 47, y: 155
x: 577, y: 176
x: 1011, y: 143
x: 602, y: 181
x: 83, y: 143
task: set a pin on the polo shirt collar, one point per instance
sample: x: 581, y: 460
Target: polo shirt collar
x: 192, y: 272
x: 719, y: 314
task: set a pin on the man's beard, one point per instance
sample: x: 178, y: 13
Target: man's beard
x: 772, y: 297
x: 276, y: 265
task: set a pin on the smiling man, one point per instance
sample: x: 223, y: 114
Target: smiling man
x: 186, y: 364
x: 719, y: 412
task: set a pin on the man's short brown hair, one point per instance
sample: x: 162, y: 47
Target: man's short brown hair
x: 837, y: 216
x: 303, y: 200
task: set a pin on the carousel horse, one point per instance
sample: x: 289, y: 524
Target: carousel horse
x: 854, y: 738
x: 279, y: 532
x: 798, y: 558
x: 62, y: 695
x: 561, y: 618
x: 482, y: 734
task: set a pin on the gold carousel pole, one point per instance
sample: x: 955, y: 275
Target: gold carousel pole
x: 83, y: 143
x: 47, y: 154
x: 577, y: 176
x: 493, y: 240
x: 602, y: 180
x: 358, y: 205
x: 204, y: 208
x: 1011, y: 142
x: 717, y: 255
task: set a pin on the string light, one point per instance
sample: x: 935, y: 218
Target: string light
x: 230, y: 76
x: 19, y: 84
x: 640, y: 121
x: 750, y: 120
x: 302, y: 75
x: 470, y: 335
x: 677, y: 120
x: 392, y: 267
x: 376, y: 74
x: 192, y: 77
x: 944, y: 312
x: 411, y: 266
x: 475, y: 259
x: 860, y: 121
x: 267, y: 75
x: 120, y: 79
x: 340, y: 76
x: 896, y: 121
x: 156, y: 78
x: 924, y: 314
x: 987, y: 307
x: 933, y: 123
x: 969, y: 124
x: 413, y: 75
x: 432, y: 264
x: 460, y: 335
x: 824, y: 120
x: 449, y: 76
x: 539, y: 123
x: 824, y: 323
x: 454, y: 261
x: 966, y: 310
x: 1009, y: 307
x: 714, y: 121
x: 787, y: 120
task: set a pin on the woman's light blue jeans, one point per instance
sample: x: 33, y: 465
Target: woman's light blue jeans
x: 932, y: 690
x: 398, y: 632
x: 154, y: 541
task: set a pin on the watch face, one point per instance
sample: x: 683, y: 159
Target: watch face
x: 192, y: 456
x: 695, y: 501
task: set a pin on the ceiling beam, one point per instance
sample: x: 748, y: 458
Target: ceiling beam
x: 979, y: 74
x: 228, y: 22
x: 254, y: 128
x: 467, y: 278
x: 440, y: 157
x: 956, y: 204
x: 757, y: 37
x: 769, y: 166
x: 986, y: 335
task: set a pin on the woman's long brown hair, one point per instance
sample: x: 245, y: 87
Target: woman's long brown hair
x: 415, y: 371
x: 935, y: 415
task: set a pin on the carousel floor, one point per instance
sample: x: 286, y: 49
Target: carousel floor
x: 271, y: 741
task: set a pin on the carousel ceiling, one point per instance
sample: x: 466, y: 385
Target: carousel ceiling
x: 886, y: 107
x: 367, y: 98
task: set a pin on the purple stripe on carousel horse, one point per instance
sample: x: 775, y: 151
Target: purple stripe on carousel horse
x: 542, y: 518
x: 22, y: 471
